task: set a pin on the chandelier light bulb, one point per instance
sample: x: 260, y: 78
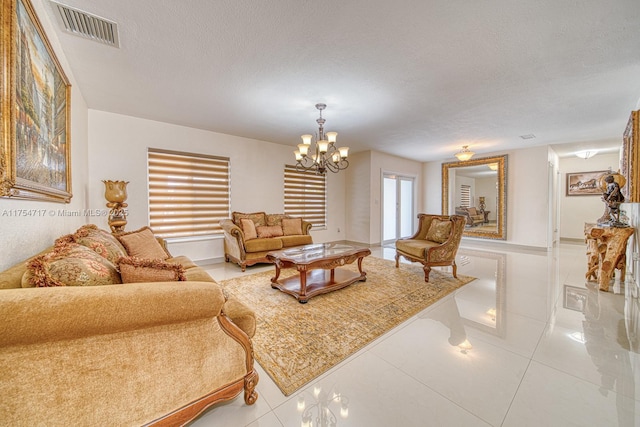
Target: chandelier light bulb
x: 331, y: 137
x: 306, y: 139
x: 298, y: 155
x: 344, y: 152
x: 323, y: 146
x: 304, y: 149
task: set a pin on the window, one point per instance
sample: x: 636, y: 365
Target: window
x: 188, y: 193
x: 465, y: 195
x: 305, y: 196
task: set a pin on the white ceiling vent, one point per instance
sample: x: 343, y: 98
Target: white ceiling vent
x: 85, y: 25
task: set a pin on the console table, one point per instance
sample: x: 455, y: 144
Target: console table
x: 606, y: 251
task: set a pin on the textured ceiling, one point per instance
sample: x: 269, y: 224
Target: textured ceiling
x: 414, y: 78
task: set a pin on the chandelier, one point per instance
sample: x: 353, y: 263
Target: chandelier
x: 324, y: 156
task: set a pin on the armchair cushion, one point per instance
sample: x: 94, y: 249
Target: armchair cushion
x: 439, y: 230
x: 415, y: 247
x: 248, y: 228
x: 142, y: 244
x: 261, y: 245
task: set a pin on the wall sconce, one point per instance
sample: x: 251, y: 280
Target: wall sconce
x: 465, y: 154
x: 116, y: 194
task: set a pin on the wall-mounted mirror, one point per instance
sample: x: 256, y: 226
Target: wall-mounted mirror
x: 477, y: 190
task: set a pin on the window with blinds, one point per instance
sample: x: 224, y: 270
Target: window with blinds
x: 305, y: 196
x: 188, y: 193
x: 465, y: 196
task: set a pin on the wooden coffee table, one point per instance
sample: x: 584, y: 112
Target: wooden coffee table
x: 318, y: 268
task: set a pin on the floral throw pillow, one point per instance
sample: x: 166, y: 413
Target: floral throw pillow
x: 100, y: 241
x: 268, y: 231
x: 71, y: 264
x: 439, y: 230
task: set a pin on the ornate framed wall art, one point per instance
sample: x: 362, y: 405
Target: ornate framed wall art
x: 584, y: 183
x: 35, y: 151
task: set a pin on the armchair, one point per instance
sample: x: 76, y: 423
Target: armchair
x: 434, y: 244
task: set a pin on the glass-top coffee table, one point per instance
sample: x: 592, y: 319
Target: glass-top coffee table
x: 318, y: 268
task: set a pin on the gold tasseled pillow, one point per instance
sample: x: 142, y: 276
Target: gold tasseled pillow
x: 259, y: 218
x: 136, y: 270
x: 142, y: 244
x: 439, y: 230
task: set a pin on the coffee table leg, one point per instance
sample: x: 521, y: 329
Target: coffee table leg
x: 363, y: 274
x: 275, y: 279
x: 302, y: 298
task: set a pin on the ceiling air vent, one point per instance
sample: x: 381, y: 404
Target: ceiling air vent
x: 85, y: 25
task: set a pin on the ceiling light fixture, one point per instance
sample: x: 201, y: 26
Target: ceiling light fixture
x: 465, y: 154
x: 493, y: 166
x: 327, y: 157
x: 586, y: 154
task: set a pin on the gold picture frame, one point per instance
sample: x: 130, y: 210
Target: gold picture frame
x: 35, y: 151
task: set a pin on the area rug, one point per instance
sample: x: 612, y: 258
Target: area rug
x: 295, y: 343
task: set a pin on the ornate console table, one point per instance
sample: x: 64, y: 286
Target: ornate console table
x: 606, y: 251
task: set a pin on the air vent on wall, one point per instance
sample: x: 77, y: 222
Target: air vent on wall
x: 83, y: 24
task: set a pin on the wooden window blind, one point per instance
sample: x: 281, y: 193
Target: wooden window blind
x: 305, y: 196
x: 465, y: 196
x: 188, y: 193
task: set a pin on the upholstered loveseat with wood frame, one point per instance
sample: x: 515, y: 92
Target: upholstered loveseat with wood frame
x: 249, y: 237
x: 125, y: 354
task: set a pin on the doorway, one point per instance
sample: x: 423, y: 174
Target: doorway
x: 398, y: 207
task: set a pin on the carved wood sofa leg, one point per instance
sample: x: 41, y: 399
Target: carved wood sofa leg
x: 250, y: 382
x: 455, y: 270
x: 427, y: 270
x: 397, y: 259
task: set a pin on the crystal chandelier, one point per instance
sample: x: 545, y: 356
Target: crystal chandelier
x: 325, y: 156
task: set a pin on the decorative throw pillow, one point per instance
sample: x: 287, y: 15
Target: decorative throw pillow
x: 71, y: 264
x: 291, y: 226
x: 258, y: 218
x: 249, y: 229
x: 439, y: 230
x: 275, y: 219
x: 101, y: 241
x: 268, y: 231
x: 136, y: 270
x: 142, y: 244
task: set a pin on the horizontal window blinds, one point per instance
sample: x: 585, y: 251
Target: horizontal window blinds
x: 465, y: 195
x: 305, y: 196
x: 188, y: 193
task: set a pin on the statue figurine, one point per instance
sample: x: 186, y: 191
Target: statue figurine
x: 613, y: 197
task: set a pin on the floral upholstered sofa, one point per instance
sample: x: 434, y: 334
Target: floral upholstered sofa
x: 98, y: 330
x: 249, y: 237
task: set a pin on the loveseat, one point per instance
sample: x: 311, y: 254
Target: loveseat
x: 472, y: 215
x: 249, y: 237
x: 103, y: 352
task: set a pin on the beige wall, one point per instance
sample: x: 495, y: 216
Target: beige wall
x: 24, y: 235
x: 118, y: 151
x: 576, y: 210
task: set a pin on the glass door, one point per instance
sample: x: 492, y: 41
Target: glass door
x: 398, y: 207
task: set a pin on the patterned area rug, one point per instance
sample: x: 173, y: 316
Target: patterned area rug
x: 295, y: 343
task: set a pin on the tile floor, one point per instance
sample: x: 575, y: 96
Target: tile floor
x: 528, y: 343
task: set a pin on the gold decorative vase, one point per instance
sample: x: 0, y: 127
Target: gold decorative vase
x: 116, y: 194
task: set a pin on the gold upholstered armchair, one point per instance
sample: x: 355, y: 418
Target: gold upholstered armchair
x: 434, y: 244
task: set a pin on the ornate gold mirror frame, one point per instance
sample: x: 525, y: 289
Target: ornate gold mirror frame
x: 492, y: 206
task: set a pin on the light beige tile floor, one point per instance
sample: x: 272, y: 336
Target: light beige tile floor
x: 541, y: 348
